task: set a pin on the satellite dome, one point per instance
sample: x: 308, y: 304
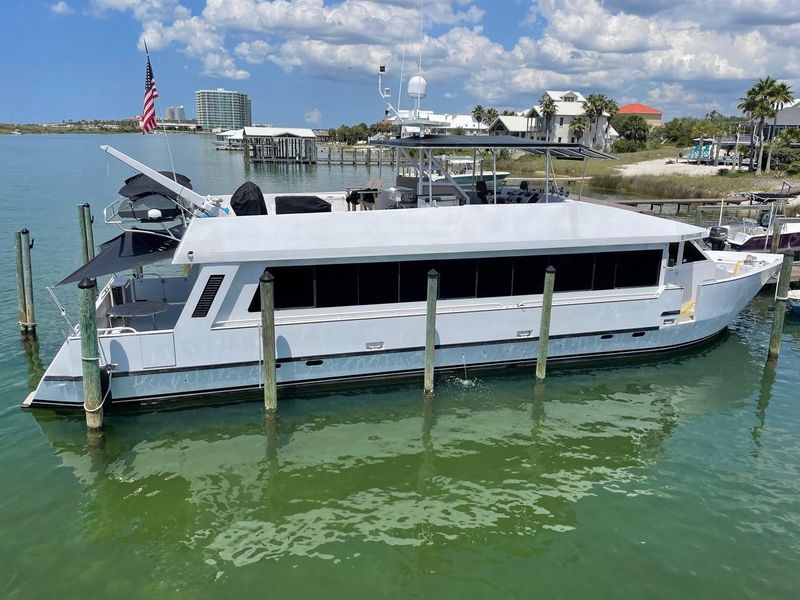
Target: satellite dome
x: 417, y: 87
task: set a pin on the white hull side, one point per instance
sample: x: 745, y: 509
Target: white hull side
x: 477, y: 338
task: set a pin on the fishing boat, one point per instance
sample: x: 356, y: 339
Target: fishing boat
x: 468, y: 171
x: 350, y: 287
x: 755, y: 235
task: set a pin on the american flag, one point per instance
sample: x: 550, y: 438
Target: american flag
x: 148, y: 122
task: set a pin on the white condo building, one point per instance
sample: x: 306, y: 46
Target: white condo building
x: 223, y: 109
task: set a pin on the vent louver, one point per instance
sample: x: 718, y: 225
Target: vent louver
x: 208, y: 295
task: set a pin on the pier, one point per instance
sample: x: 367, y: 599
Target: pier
x: 366, y: 156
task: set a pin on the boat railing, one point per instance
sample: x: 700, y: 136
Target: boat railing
x: 109, y: 331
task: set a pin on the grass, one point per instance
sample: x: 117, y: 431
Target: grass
x: 606, y: 178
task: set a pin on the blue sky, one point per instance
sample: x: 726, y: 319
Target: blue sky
x: 313, y: 62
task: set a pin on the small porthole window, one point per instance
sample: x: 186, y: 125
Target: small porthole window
x: 606, y: 336
x: 313, y: 363
x: 637, y: 334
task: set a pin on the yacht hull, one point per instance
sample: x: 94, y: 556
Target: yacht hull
x: 392, y: 346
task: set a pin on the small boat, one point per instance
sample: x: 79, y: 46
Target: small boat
x: 468, y: 171
x: 755, y: 235
x: 794, y: 301
x: 16, y: 132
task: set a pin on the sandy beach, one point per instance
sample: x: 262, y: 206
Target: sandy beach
x: 659, y: 166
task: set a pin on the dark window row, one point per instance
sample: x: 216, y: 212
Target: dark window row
x: 325, y: 286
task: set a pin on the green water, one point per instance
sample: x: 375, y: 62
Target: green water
x: 665, y: 478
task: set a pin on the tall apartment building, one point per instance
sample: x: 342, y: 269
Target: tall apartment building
x: 222, y: 108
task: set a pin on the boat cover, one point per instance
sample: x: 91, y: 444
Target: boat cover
x: 248, y: 200
x: 285, y: 205
x: 137, y: 208
x: 141, y: 185
x: 129, y: 249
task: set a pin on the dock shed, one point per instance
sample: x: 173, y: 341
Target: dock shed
x: 280, y: 144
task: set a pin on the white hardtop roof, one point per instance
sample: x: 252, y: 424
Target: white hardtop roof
x: 303, y: 132
x: 422, y: 233
x: 511, y: 123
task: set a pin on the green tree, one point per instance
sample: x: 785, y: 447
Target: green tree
x: 579, y: 124
x: 781, y: 94
x: 702, y: 131
x: 548, y: 109
x: 633, y: 128
x: 757, y: 104
x: 612, y: 108
x: 490, y: 115
x: 479, y: 113
x: 594, y: 107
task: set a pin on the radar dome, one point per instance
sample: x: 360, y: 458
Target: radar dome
x: 417, y: 86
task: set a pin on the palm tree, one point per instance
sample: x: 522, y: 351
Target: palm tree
x: 781, y: 95
x: 593, y: 107
x: 548, y: 109
x: 579, y: 125
x: 490, y: 115
x: 612, y: 108
x: 479, y: 113
x: 701, y: 130
x: 758, y: 105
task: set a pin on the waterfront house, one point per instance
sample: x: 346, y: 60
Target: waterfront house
x: 652, y: 116
x: 558, y: 128
x: 511, y: 125
x: 280, y: 144
x: 788, y: 118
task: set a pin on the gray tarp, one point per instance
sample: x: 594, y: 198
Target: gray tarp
x: 128, y: 250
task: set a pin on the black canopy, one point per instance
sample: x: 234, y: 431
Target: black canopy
x: 128, y: 250
x: 285, y: 205
x: 555, y: 149
x: 248, y: 200
x: 142, y: 185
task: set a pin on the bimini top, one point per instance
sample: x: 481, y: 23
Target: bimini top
x: 379, y: 235
x: 556, y: 149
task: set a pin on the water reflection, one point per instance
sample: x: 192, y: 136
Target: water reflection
x: 30, y: 346
x: 382, y: 466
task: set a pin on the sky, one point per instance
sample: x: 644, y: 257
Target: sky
x: 314, y: 62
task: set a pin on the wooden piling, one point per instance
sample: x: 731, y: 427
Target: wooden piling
x: 430, y: 328
x: 777, y: 225
x: 267, y: 290
x: 544, y: 326
x: 698, y: 217
x: 87, y: 218
x: 779, y: 312
x: 23, y: 317
x: 90, y: 355
x: 82, y: 235
x: 27, y: 281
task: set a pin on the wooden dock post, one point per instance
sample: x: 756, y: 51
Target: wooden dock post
x: 23, y: 317
x: 544, y: 326
x: 777, y: 225
x: 430, y: 328
x: 266, y: 286
x: 83, y: 235
x: 246, y: 148
x: 779, y: 312
x: 87, y: 218
x: 698, y: 217
x: 90, y: 355
x: 27, y: 281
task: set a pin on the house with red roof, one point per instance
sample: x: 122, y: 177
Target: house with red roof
x: 648, y: 113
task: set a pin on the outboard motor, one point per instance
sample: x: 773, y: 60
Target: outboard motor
x: 717, y: 236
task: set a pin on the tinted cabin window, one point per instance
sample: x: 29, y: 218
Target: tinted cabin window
x: 294, y: 288
x: 529, y: 274
x: 673, y: 253
x: 691, y: 253
x: 573, y: 272
x: 639, y: 268
x: 494, y: 277
x: 456, y: 278
x: 377, y: 283
x: 337, y: 285
x: 414, y: 280
x: 605, y: 268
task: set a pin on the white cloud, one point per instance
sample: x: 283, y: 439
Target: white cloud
x: 682, y: 53
x: 61, y: 8
x: 314, y: 116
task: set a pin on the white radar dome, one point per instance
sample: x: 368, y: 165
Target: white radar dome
x: 417, y: 87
